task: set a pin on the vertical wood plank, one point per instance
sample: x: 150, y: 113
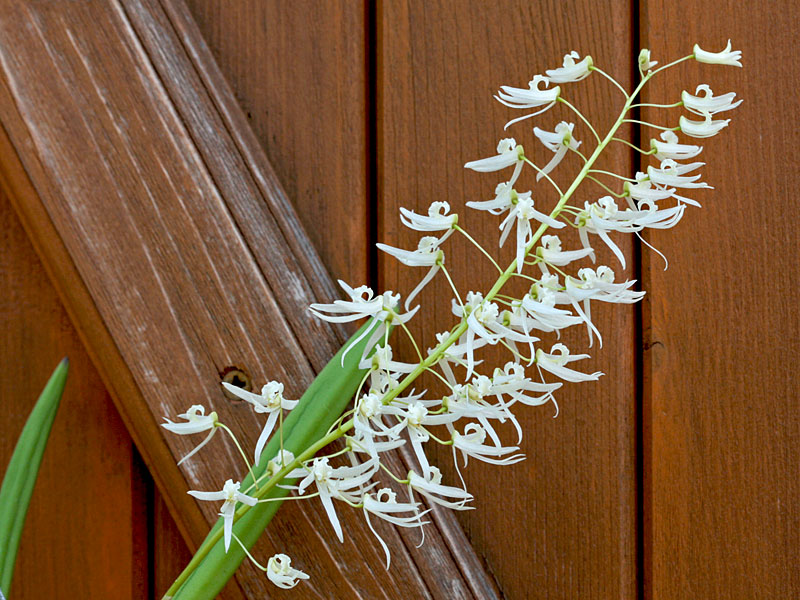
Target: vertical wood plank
x: 721, y: 419
x: 298, y: 70
x: 87, y: 523
x: 562, y: 523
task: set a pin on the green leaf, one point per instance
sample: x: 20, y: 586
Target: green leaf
x: 324, y: 401
x: 20, y: 477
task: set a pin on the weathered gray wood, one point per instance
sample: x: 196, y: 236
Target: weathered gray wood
x: 177, y: 256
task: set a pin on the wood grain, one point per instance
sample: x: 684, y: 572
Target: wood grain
x: 298, y: 70
x: 89, y: 505
x: 177, y: 254
x: 562, y: 523
x: 721, y: 420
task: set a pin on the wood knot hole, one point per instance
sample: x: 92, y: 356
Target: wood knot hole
x: 238, y: 377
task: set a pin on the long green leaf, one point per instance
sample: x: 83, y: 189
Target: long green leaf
x: 20, y: 477
x: 323, y: 403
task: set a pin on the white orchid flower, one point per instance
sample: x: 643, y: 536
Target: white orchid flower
x: 504, y: 194
x: 335, y: 483
x: 571, y: 71
x: 427, y: 254
x: 708, y: 103
x: 280, y: 572
x: 437, y: 219
x: 671, y: 173
x: 385, y: 505
x: 551, y: 253
x: 559, y: 141
x: 645, y: 64
x: 511, y: 381
x: 431, y: 487
x: 197, y: 422
x: 231, y: 495
x: 540, y: 304
x: 508, y: 153
x: 702, y: 129
x: 271, y: 402
x: 670, y: 148
x: 726, y: 57
x: 522, y: 212
x: 556, y: 360
x: 362, y: 303
x: 599, y: 218
x: 470, y: 443
x: 532, y: 97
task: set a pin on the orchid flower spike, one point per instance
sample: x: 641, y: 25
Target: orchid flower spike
x: 270, y: 401
x: 533, y: 97
x: 280, y: 572
x: 726, y: 57
x: 571, y: 71
x: 197, y: 422
x: 231, y: 495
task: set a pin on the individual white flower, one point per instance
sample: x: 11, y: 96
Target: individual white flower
x: 282, y: 459
x: 457, y: 354
x: 477, y: 316
x: 559, y: 141
x: 470, y: 443
x: 645, y: 64
x: 336, y: 483
x: 427, y: 254
x: 437, y: 219
x: 504, y: 197
x: 671, y: 173
x: 431, y: 487
x: 521, y: 213
x: 532, y: 97
x: 599, y: 218
x: 598, y: 285
x: 362, y: 303
x: 707, y: 103
x: 415, y: 418
x: 726, y: 57
x: 511, y: 381
x: 508, y: 153
x: 571, y: 70
x: 670, y: 148
x: 281, y: 573
x: 540, y: 304
x: 556, y: 360
x: 552, y: 254
x: 385, y: 505
x: 231, y: 495
x: 702, y: 129
x: 270, y: 401
x: 197, y: 422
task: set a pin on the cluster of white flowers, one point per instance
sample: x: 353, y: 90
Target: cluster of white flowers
x: 388, y: 412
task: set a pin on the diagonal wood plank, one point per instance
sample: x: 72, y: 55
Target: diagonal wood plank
x: 177, y: 255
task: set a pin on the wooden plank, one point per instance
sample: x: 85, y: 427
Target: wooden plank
x: 201, y: 251
x: 721, y: 420
x: 298, y: 70
x: 88, y: 473
x: 562, y: 523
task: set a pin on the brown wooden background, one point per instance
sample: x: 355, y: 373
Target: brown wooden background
x: 676, y: 476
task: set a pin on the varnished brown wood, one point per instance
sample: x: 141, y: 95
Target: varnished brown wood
x: 177, y: 254
x: 561, y: 524
x: 298, y: 70
x: 89, y: 505
x: 721, y: 422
